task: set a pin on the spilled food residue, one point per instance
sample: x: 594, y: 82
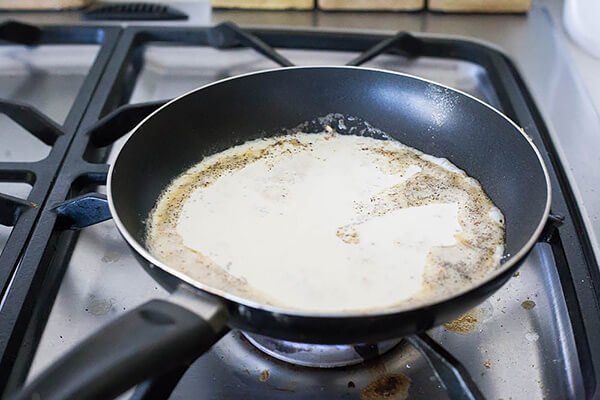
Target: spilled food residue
x: 111, y: 257
x: 99, y: 306
x: 528, y: 304
x: 487, y: 363
x: 264, y: 375
x: 466, y: 323
x: 387, y: 387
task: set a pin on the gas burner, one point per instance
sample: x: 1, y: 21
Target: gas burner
x: 319, y: 355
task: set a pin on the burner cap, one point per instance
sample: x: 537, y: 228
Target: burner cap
x: 319, y: 355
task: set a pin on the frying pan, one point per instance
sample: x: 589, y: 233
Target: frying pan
x: 163, y: 334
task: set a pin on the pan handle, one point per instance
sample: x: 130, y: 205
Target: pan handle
x: 152, y: 339
x: 453, y: 376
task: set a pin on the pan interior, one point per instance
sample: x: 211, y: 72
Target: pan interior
x: 429, y: 117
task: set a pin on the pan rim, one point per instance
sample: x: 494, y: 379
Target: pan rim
x: 311, y: 314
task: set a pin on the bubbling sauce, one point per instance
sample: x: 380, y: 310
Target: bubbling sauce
x: 328, y: 223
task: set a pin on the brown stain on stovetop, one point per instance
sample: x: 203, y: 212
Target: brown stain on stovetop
x: 376, y: 368
x: 264, y: 375
x: 528, y: 304
x: 466, y: 323
x: 387, y: 387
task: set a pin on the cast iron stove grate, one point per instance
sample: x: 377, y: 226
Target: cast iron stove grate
x: 22, y: 213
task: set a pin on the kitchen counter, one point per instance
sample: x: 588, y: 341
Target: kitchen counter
x: 560, y: 75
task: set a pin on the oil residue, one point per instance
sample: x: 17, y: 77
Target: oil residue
x: 264, y: 375
x: 466, y: 323
x: 528, y: 304
x: 99, y: 306
x: 387, y: 387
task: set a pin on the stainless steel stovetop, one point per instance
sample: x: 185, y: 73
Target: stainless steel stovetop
x: 521, y: 348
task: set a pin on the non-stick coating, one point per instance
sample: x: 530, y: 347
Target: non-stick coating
x: 429, y: 117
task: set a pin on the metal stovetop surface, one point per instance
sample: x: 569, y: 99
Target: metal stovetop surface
x: 515, y: 352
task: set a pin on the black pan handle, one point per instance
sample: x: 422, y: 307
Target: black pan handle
x: 453, y: 376
x: 148, y: 341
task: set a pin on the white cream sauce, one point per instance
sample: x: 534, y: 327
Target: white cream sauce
x: 290, y: 228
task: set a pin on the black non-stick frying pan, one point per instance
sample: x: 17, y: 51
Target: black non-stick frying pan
x: 163, y: 334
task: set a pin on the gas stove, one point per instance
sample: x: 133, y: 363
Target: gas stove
x: 71, y: 99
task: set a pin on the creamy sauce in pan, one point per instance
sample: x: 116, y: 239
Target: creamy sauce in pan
x: 328, y: 223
